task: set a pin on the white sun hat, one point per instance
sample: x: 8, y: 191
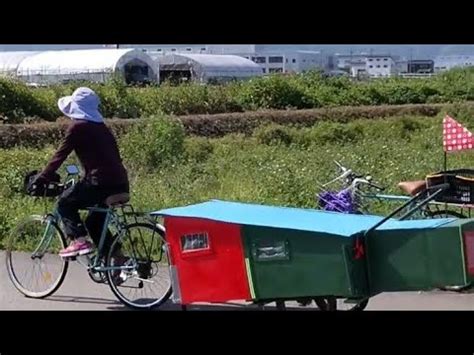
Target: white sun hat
x: 83, y: 104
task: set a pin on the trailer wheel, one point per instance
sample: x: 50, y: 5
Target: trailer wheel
x: 326, y: 304
x: 331, y: 304
x: 458, y: 289
x: 280, y: 305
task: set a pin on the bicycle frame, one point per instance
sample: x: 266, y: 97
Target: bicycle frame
x: 111, y: 219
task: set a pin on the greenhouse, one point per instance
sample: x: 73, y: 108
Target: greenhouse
x: 96, y: 65
x: 205, y: 68
x: 9, y: 62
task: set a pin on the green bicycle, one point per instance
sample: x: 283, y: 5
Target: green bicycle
x: 135, y: 267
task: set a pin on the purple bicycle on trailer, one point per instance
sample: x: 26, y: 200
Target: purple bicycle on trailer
x: 350, y: 197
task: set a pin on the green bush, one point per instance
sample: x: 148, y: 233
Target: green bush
x: 153, y: 143
x: 15, y: 163
x: 274, y: 92
x: 186, y: 99
x: 198, y: 149
x: 295, y: 91
x: 462, y: 113
x: 17, y: 101
x: 273, y: 135
x: 336, y: 133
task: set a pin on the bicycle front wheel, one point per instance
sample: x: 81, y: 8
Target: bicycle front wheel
x: 33, y: 263
x: 138, y: 268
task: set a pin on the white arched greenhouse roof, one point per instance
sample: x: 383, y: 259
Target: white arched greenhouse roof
x: 10, y: 61
x: 81, y: 61
x: 213, y: 64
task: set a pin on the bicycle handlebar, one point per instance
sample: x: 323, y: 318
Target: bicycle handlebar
x: 340, y: 166
x: 54, y: 188
x: 353, y: 179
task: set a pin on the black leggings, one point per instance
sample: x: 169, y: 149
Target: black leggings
x: 81, y: 196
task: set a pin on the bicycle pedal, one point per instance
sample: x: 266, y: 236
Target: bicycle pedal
x: 69, y: 258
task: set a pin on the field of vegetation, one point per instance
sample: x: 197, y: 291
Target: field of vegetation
x: 18, y: 103
x: 270, y: 140
x: 276, y: 165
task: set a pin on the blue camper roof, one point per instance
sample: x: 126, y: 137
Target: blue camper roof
x: 310, y: 220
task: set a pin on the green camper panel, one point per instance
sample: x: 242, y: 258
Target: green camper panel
x: 415, y: 259
x: 289, y: 263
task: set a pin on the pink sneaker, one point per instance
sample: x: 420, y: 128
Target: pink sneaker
x: 77, y: 248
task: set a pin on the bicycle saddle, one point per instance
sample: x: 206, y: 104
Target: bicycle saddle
x: 412, y: 187
x: 117, y: 199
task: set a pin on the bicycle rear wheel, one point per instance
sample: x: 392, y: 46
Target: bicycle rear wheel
x: 33, y: 263
x: 140, y: 277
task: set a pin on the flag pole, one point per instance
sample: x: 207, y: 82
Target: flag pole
x: 445, y: 168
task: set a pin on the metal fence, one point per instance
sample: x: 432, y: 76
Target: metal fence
x: 58, y: 76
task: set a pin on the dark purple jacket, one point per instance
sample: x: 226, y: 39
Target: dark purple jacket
x: 96, y: 149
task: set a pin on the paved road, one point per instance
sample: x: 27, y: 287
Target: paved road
x: 78, y: 292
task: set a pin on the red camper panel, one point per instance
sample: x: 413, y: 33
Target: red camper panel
x: 209, y: 259
x: 469, y: 251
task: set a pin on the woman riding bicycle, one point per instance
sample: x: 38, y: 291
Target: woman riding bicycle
x: 104, y: 174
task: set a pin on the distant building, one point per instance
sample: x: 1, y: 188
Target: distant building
x: 344, y: 61
x: 234, y: 48
x: 288, y: 61
x: 358, y: 68
x: 171, y: 48
x: 270, y: 61
x: 301, y: 61
x: 402, y: 66
x: 370, y: 65
x: 420, y: 66
x: 381, y: 66
x: 442, y: 63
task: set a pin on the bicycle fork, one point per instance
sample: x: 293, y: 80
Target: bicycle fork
x: 45, y: 240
